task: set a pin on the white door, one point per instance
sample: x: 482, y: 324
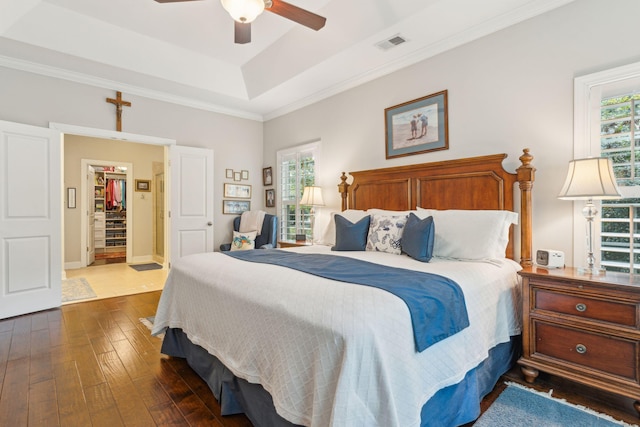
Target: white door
x: 191, y: 215
x: 91, y: 215
x: 30, y: 219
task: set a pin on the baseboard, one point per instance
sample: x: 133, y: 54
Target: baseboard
x: 73, y: 265
x: 141, y: 259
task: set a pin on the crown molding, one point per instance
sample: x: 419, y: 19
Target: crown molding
x: 491, y: 26
x: 496, y: 24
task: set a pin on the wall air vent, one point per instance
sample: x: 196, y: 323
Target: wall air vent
x: 392, y: 41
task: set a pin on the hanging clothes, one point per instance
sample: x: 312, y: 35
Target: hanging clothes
x: 123, y: 189
x: 115, y: 193
x: 108, y: 194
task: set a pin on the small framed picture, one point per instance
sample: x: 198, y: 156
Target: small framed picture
x: 267, y: 177
x: 245, y: 175
x: 235, y: 207
x: 237, y: 176
x: 237, y: 191
x: 143, y: 185
x: 270, y: 198
x: 229, y: 173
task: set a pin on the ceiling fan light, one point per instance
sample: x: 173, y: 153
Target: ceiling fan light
x: 243, y: 11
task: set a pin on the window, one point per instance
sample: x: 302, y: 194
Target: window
x: 607, y: 123
x: 297, y: 168
x: 620, y: 141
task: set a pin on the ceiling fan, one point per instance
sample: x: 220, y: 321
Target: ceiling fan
x: 245, y: 11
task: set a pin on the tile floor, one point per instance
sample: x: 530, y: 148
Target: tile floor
x: 111, y: 280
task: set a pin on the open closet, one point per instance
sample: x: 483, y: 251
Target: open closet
x: 109, y: 213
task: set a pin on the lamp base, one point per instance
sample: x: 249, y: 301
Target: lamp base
x: 592, y: 271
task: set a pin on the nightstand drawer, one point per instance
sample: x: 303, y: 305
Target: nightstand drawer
x: 620, y: 313
x: 607, y: 354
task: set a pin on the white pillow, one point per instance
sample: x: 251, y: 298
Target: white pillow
x: 243, y: 241
x: 329, y: 236
x: 470, y: 234
x: 385, y: 233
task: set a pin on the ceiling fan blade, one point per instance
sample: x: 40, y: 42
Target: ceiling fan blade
x: 242, y: 32
x: 296, y: 14
x: 173, y: 1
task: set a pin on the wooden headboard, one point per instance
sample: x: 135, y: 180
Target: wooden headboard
x: 471, y: 183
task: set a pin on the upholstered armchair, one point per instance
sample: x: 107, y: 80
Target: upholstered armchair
x: 268, y: 236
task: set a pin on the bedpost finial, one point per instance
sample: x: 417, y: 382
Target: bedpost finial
x: 343, y: 189
x: 526, y: 158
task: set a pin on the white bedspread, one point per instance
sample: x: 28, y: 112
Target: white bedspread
x: 332, y: 353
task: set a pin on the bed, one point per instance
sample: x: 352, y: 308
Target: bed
x: 287, y: 346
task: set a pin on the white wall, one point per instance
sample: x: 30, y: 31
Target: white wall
x: 507, y: 91
x: 237, y: 143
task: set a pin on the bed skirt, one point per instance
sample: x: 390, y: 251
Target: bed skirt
x: 451, y: 406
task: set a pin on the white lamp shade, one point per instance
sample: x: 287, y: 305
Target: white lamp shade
x: 244, y: 11
x: 312, y: 196
x: 590, y: 178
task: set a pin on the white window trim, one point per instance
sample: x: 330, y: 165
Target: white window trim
x: 587, y: 93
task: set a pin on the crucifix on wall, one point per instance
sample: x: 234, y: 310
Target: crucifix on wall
x: 119, y: 103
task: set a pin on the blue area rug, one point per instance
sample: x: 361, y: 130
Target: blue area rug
x: 522, y: 407
x: 146, y: 267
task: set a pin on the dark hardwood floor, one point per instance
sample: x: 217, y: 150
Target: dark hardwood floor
x: 93, y: 363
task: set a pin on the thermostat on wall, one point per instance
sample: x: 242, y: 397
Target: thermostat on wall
x: 550, y: 258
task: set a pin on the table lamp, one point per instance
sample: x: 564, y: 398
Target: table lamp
x: 590, y: 179
x: 312, y: 196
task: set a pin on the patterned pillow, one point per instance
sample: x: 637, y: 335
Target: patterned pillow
x: 385, y: 233
x: 243, y: 241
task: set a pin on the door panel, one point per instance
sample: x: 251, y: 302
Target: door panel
x: 191, y: 213
x: 30, y: 219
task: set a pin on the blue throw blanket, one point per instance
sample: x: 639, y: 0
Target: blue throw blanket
x: 436, y: 303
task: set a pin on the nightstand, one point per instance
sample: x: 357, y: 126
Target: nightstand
x: 292, y: 243
x: 584, y: 328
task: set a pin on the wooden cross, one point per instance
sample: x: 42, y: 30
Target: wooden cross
x: 119, y: 103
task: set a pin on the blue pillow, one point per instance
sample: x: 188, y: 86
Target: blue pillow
x: 417, y: 239
x: 350, y: 236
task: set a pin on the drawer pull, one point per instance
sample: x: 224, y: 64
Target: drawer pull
x: 581, y: 307
x: 581, y: 349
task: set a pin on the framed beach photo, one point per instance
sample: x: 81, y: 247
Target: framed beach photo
x: 237, y: 191
x: 235, y: 207
x: 417, y: 126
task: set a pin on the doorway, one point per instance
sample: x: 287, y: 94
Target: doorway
x: 110, y: 153
x: 108, y: 190
x: 136, y: 161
